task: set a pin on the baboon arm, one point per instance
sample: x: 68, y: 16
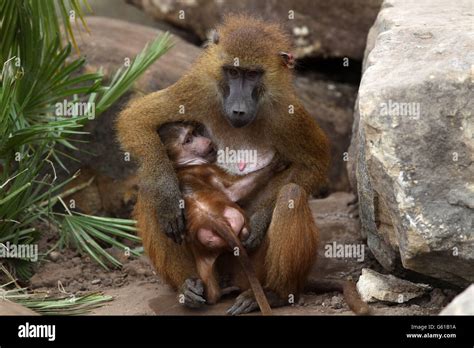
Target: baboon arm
x: 305, y: 146
x: 260, y: 210
x: 137, y: 129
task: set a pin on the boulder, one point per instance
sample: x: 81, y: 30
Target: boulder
x: 319, y: 28
x: 126, y: 40
x: 330, y: 103
x: 412, y: 147
x: 463, y: 304
x: 373, y: 286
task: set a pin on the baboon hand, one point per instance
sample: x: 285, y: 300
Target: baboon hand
x: 171, y: 219
x: 259, y: 223
x: 246, y: 302
x: 192, y: 291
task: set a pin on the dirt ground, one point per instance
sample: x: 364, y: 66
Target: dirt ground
x: 137, y: 290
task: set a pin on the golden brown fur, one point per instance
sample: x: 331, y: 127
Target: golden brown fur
x: 287, y: 251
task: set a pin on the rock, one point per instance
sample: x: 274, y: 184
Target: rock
x: 338, y: 231
x: 373, y: 287
x: 12, y: 308
x: 437, y: 298
x: 336, y: 302
x: 96, y: 281
x: 461, y: 198
x: 463, y: 304
x: 412, y: 141
x: 336, y: 28
x: 329, y: 103
x: 54, y: 256
x: 109, y: 35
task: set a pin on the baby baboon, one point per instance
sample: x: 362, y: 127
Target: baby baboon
x: 214, y: 221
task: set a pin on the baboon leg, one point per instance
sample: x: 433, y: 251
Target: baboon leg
x: 205, y: 268
x: 173, y: 262
x: 291, y: 243
x: 285, y: 257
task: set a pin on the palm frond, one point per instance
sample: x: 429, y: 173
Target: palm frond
x: 122, y: 81
x: 41, y: 80
x: 89, y: 234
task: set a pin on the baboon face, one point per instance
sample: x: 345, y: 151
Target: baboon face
x: 195, y: 145
x: 185, y: 143
x: 241, y: 91
x: 250, y: 59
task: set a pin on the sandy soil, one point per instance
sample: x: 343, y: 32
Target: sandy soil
x: 137, y: 290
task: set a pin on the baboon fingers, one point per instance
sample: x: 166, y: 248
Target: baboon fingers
x: 175, y: 229
x: 242, y: 305
x: 194, y: 284
x: 193, y: 291
x: 193, y: 300
x: 246, y: 302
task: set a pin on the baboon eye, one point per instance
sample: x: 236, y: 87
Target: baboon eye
x: 188, y: 139
x: 233, y: 73
x: 252, y: 74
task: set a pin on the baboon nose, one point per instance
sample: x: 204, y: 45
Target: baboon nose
x: 239, y: 109
x: 238, y: 112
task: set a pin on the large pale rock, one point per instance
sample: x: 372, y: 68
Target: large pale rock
x: 413, y: 145
x: 336, y: 28
x: 113, y: 41
x: 463, y: 304
x: 373, y: 286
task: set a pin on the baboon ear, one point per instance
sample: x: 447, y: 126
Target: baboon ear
x: 288, y: 59
x: 214, y: 37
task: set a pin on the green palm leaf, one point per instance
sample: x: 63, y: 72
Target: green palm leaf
x: 40, y: 73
